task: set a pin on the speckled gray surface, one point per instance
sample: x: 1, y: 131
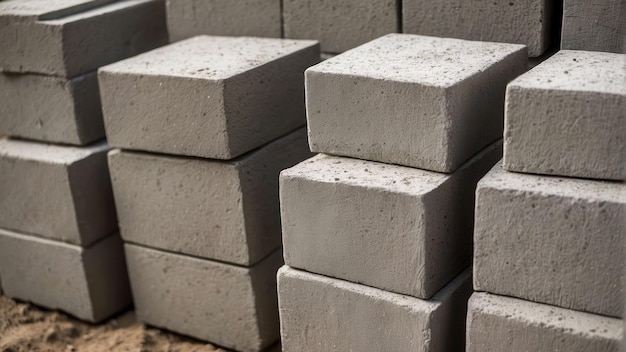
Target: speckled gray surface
x: 567, y: 116
x: 597, y: 25
x: 552, y: 240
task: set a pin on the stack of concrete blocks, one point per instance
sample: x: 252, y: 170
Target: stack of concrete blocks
x: 205, y: 125
x: 595, y: 25
x: 377, y: 231
x: 549, y: 235
x: 59, y: 246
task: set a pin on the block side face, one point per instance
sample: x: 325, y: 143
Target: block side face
x: 166, y: 288
x: 594, y: 25
x: 264, y: 284
x: 339, y: 26
x: 88, y: 108
x: 188, y: 18
x: 180, y: 205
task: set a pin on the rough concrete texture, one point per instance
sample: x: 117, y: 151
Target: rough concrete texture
x: 72, y: 37
x: 226, y: 211
x: 339, y: 25
x: 52, y: 109
x: 395, y: 228
x: 213, y: 97
x: 412, y: 100
x: 594, y: 25
x: 90, y: 283
x: 496, y: 323
x: 567, y: 116
x: 229, y: 305
x: 318, y: 313
x: 551, y: 240
x: 520, y: 22
x: 57, y: 192
x: 257, y: 18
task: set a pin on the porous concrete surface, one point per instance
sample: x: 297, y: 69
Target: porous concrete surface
x: 213, y: 97
x: 256, y: 18
x: 594, y: 25
x: 519, y: 22
x: 88, y: 282
x: 412, y: 100
x: 551, y: 240
x: 496, y: 323
x: 69, y: 38
x: 232, y: 306
x: 323, y: 314
x: 391, y: 227
x: 567, y: 116
x: 339, y: 25
x: 52, y: 109
x: 226, y: 211
x: 57, y: 192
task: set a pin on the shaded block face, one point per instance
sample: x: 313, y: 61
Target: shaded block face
x: 256, y: 18
x: 68, y: 38
x: 51, y: 109
x: 229, y: 305
x: 90, y: 283
x: 518, y: 22
x: 551, y: 240
x: 226, y: 211
x: 399, y: 229
x: 594, y: 25
x: 567, y: 116
x: 57, y: 192
x: 318, y: 313
x: 496, y: 323
x: 213, y: 97
x: 339, y: 25
x: 424, y: 102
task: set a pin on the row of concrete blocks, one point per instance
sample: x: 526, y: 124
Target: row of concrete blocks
x: 587, y: 25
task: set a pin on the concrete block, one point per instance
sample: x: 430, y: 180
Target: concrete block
x: 226, y: 211
x: 418, y: 101
x: 318, y: 313
x: 496, y: 323
x: 213, y: 97
x: 57, y: 192
x: 567, y: 116
x: 232, y: 306
x: 256, y: 18
x: 518, y: 22
x: 339, y: 25
x: 52, y: 109
x: 88, y: 282
x: 71, y: 37
x: 594, y: 25
x: 391, y: 227
x: 551, y: 240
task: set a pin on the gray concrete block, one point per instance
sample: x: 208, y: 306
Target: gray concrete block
x: 391, y: 227
x: 232, y: 306
x: 496, y: 323
x: 226, y: 211
x: 90, y: 283
x: 551, y: 240
x: 318, y: 313
x: 68, y: 37
x: 518, y: 22
x: 594, y: 25
x: 567, y: 116
x: 418, y: 101
x: 339, y: 25
x: 213, y: 97
x: 52, y: 109
x: 57, y: 192
x: 256, y: 18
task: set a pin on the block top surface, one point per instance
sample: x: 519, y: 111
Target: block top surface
x: 47, y: 9
x: 433, y: 61
x: 47, y: 153
x: 574, y: 70
x: 209, y: 57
